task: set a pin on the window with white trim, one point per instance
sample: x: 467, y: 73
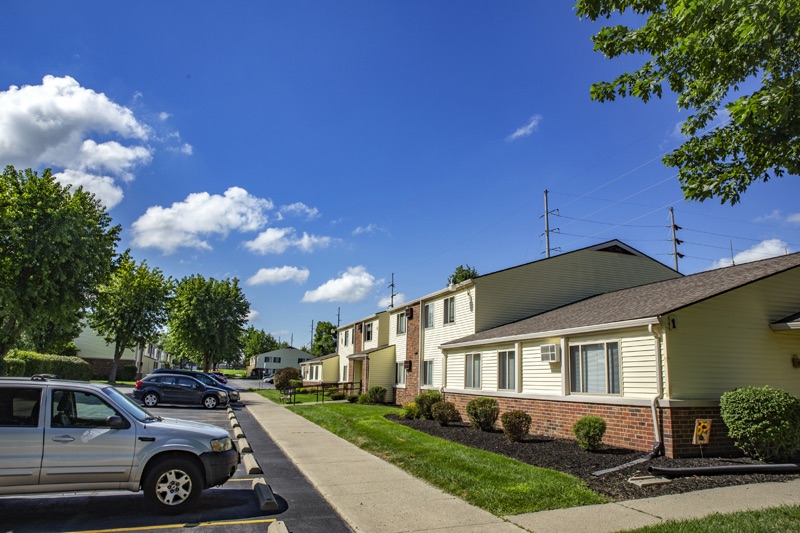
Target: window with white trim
x: 368, y: 331
x: 347, y: 337
x: 472, y: 371
x: 399, y: 374
x: 344, y: 373
x: 450, y: 310
x: 595, y: 368
x: 427, y: 373
x: 506, y: 370
x: 428, y: 315
x: 401, y: 323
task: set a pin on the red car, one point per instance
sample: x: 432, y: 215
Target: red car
x: 219, y: 376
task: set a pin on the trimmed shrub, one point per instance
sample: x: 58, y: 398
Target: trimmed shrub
x: 63, y: 366
x: 376, y: 394
x: 516, y: 425
x: 763, y: 422
x: 12, y: 367
x: 283, y: 376
x: 444, y: 413
x: 410, y: 411
x: 128, y: 372
x: 295, y: 383
x: 363, y: 398
x: 353, y: 398
x: 425, y: 401
x: 337, y: 396
x: 589, y: 432
x: 483, y: 413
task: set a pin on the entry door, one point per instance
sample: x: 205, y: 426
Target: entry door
x: 79, y: 446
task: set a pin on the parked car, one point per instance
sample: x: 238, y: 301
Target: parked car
x: 178, y: 389
x: 269, y: 379
x: 65, y: 436
x: 219, y: 377
x: 208, y: 379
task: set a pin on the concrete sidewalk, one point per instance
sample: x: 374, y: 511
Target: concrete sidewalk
x: 376, y: 497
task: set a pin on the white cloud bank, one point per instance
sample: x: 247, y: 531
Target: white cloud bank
x: 52, y: 124
x: 352, y: 286
x: 386, y: 301
x: 278, y: 240
x: 762, y: 250
x: 527, y: 129
x: 185, y: 224
x: 279, y: 275
x: 298, y: 209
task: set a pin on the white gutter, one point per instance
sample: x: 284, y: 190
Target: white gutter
x: 659, y: 386
x: 625, y: 324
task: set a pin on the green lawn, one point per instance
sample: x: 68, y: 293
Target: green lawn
x: 492, y: 482
x: 777, y: 520
x: 275, y: 396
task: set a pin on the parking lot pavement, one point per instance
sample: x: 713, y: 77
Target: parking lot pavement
x: 233, y: 506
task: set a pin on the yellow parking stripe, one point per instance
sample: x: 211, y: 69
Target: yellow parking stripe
x: 175, y: 526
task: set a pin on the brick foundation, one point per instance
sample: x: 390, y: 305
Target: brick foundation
x: 627, y: 426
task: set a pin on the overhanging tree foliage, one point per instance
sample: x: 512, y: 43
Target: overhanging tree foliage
x: 131, y: 308
x: 257, y: 341
x: 707, y: 51
x: 56, y: 246
x: 324, y: 341
x: 206, y: 319
x: 462, y: 273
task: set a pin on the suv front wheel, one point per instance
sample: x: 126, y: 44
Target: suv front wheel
x: 210, y: 402
x: 172, y: 485
x: 150, y: 399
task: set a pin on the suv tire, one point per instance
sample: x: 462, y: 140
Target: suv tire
x: 172, y: 485
x: 210, y: 402
x: 150, y: 399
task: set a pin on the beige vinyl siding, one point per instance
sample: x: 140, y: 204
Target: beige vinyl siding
x: 726, y: 342
x: 440, y: 333
x: 330, y: 370
x: 348, y: 349
x: 372, y: 344
x: 381, y: 369
x: 382, y: 329
x: 455, y: 370
x: 540, y: 377
x: 637, y: 351
x: 398, y: 341
x: 530, y: 289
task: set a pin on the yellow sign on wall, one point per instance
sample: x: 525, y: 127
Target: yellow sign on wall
x: 702, y: 431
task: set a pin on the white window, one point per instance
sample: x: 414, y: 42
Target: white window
x: 276, y: 359
x: 368, y: 331
x: 267, y: 359
x: 344, y: 373
x: 506, y: 370
x: 428, y: 315
x: 427, y: 373
x: 401, y: 323
x: 347, y: 337
x: 473, y: 371
x: 594, y: 368
x: 399, y: 374
x: 450, y: 310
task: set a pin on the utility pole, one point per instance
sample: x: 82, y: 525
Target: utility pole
x: 311, y: 343
x: 733, y: 262
x: 547, y: 230
x: 675, y: 241
x: 391, y: 298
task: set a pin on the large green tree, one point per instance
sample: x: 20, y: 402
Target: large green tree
x: 324, y: 341
x: 257, y: 341
x: 56, y: 246
x: 131, y: 308
x: 462, y: 273
x: 734, y: 64
x: 206, y: 320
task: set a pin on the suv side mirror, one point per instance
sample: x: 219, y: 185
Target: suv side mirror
x: 115, y: 422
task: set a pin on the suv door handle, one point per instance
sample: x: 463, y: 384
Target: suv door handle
x: 63, y: 438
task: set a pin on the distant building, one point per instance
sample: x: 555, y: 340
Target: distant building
x: 266, y: 364
x: 93, y: 349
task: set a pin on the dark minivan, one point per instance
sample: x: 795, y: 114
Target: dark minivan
x: 233, y: 393
x: 178, y: 389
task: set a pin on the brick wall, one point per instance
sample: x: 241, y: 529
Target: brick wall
x: 411, y: 390
x: 627, y: 426
x: 102, y: 367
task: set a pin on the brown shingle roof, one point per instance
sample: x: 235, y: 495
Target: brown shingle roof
x: 644, y: 301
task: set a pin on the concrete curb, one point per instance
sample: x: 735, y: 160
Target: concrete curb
x: 266, y: 498
x: 234, y: 423
x: 250, y: 464
x: 277, y: 527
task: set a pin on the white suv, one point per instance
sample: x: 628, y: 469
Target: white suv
x: 64, y: 436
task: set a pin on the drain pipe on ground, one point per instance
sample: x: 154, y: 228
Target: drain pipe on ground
x: 657, y: 445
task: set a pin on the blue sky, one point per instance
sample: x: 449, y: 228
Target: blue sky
x: 312, y: 149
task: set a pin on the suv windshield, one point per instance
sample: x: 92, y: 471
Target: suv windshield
x: 128, y: 405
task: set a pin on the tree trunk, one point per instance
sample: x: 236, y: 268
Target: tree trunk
x: 112, y: 377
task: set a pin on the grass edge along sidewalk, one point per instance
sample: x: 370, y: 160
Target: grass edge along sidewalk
x: 777, y: 520
x: 495, y: 483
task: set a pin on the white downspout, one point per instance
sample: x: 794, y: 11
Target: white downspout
x: 659, y: 386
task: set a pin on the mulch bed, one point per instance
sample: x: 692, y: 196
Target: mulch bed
x: 565, y: 456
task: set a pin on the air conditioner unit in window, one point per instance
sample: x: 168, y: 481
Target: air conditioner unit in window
x: 551, y: 353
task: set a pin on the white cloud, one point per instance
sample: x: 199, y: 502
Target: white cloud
x: 186, y: 149
x: 793, y: 218
x: 76, y: 132
x: 386, y: 301
x: 185, y: 224
x: 300, y: 209
x: 253, y: 316
x: 163, y: 116
x: 527, y: 129
x: 352, y: 286
x: 762, y: 250
x: 279, y: 275
x: 369, y: 228
x: 103, y: 187
x: 775, y: 215
x: 278, y: 240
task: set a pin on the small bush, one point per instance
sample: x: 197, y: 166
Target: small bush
x: 376, y: 394
x: 425, y: 401
x: 444, y: 413
x: 337, y: 396
x: 295, y: 383
x: 353, y: 398
x: 763, y: 422
x: 516, y: 425
x: 363, y: 399
x: 284, y: 376
x: 410, y: 411
x: 589, y: 432
x: 483, y: 413
x: 13, y: 366
x: 128, y: 372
